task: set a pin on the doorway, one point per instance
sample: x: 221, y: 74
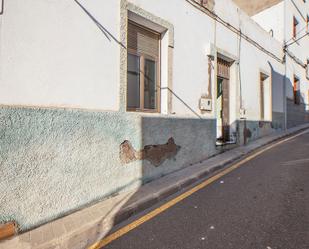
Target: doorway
x: 223, y: 100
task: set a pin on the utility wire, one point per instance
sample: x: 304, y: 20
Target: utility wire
x: 211, y: 14
x: 233, y: 29
x: 296, y: 40
x: 297, y: 34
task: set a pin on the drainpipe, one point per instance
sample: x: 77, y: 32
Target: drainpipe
x: 285, y: 67
x: 241, y: 113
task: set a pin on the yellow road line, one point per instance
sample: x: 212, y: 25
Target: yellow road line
x: 181, y: 197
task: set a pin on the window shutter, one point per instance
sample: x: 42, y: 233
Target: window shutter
x: 223, y: 68
x: 143, y: 41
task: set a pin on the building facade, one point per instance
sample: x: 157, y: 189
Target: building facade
x: 99, y: 97
x: 288, y: 21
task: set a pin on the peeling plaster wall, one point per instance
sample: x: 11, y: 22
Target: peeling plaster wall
x: 53, y: 161
x: 251, y: 130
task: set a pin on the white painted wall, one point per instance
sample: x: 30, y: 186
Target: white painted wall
x: 193, y: 31
x: 54, y: 54
x: 272, y: 19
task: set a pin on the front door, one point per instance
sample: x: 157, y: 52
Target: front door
x: 223, y: 100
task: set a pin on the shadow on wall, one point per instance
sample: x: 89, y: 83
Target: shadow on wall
x: 2, y: 7
x: 297, y: 110
x: 106, y: 33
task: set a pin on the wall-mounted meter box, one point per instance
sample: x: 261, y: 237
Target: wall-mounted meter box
x: 242, y: 113
x: 205, y: 104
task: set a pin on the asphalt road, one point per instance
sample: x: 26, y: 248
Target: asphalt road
x: 264, y: 204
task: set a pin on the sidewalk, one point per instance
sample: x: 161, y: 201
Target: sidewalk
x: 85, y: 227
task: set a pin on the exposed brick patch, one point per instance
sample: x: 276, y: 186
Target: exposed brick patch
x: 156, y: 154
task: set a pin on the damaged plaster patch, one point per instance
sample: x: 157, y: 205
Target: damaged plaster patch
x: 156, y: 154
x: 247, y: 133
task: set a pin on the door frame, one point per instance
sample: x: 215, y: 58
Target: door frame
x: 223, y: 72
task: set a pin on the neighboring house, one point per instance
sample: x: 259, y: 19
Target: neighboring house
x: 288, y: 21
x: 99, y: 97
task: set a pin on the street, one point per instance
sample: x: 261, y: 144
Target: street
x: 264, y: 204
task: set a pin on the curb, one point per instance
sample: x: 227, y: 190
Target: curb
x: 143, y: 204
x: 82, y: 228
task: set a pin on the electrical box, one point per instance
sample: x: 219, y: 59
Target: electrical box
x: 205, y: 104
x: 242, y: 113
x: 210, y: 50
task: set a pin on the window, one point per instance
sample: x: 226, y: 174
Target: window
x: 296, y: 91
x: 295, y: 27
x: 263, y: 95
x: 143, y: 82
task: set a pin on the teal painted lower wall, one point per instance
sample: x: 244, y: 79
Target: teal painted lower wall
x: 296, y: 114
x: 250, y: 130
x: 54, y: 161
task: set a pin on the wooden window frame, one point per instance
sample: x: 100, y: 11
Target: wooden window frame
x: 295, y: 24
x: 157, y: 61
